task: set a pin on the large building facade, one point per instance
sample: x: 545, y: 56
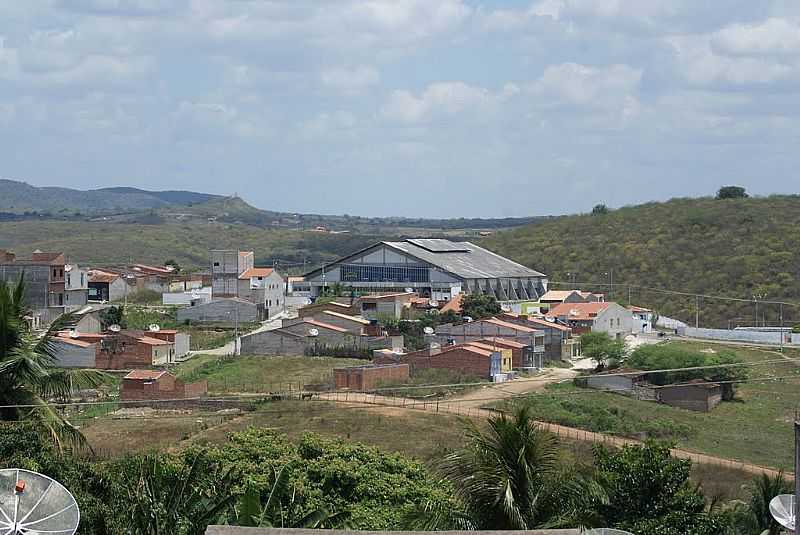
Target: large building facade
x: 437, y: 268
x: 226, y: 266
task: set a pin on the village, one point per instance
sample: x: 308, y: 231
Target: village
x: 400, y: 308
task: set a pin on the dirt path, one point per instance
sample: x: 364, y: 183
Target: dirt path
x: 477, y: 398
x: 470, y: 407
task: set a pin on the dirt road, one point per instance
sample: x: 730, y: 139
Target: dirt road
x: 470, y: 407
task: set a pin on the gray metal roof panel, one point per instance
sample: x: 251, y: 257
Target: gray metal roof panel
x: 467, y: 261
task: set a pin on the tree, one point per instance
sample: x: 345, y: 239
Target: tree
x: 732, y: 192
x: 601, y: 348
x: 113, y: 315
x: 600, y: 209
x: 176, y: 268
x: 510, y: 477
x: 479, y: 306
x: 28, y: 373
x: 649, y: 492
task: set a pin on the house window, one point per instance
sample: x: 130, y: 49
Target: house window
x: 216, y: 264
x: 69, y: 279
x: 60, y: 300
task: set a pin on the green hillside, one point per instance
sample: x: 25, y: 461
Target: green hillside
x: 735, y: 248
x: 108, y: 243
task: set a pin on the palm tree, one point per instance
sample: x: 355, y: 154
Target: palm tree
x: 29, y: 378
x: 763, y: 489
x: 510, y: 477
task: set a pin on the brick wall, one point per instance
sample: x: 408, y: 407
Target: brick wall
x: 457, y: 358
x: 369, y: 377
x: 165, y: 387
x: 134, y: 355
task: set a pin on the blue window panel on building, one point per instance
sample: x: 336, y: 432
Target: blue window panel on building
x: 367, y: 273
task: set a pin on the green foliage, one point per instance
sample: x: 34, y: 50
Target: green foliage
x: 479, y: 306
x: 755, y: 516
x: 649, y: 492
x: 444, y: 382
x: 669, y: 356
x: 145, y: 296
x: 600, y: 209
x: 732, y: 192
x: 142, y: 318
x: 584, y: 412
x: 113, y: 315
x: 796, y: 329
x: 693, y: 245
x: 509, y: 477
x: 173, y: 264
x: 600, y: 347
x: 451, y: 316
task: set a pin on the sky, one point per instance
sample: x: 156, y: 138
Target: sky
x: 435, y: 108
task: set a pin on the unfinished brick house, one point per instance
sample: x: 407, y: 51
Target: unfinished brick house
x: 127, y: 349
x: 466, y: 358
x: 370, y: 377
x: 159, y: 384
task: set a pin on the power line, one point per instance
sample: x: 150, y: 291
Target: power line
x: 676, y: 292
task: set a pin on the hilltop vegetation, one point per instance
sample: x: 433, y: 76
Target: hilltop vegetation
x: 722, y: 247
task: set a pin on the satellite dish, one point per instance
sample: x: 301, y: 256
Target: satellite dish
x: 33, y: 504
x: 606, y: 531
x: 505, y: 308
x: 782, y: 509
x: 154, y: 327
x: 433, y: 303
x: 313, y: 332
x: 114, y: 328
x: 551, y: 319
x: 73, y: 333
x: 428, y: 330
x: 409, y: 290
x: 574, y: 312
x: 468, y: 319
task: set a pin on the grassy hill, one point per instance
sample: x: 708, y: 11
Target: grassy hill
x: 735, y: 248
x: 102, y: 242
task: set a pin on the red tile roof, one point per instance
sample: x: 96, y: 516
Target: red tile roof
x: 145, y: 375
x: 508, y: 325
x: 578, y: 311
x: 386, y: 295
x: 325, y: 326
x: 73, y: 341
x: 539, y: 322
x: 256, y: 272
x: 503, y: 342
x: 454, y: 304
x: 634, y: 308
x: 99, y: 275
x: 362, y: 321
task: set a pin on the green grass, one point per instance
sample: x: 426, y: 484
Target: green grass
x: 756, y: 427
x: 451, y: 379
x: 260, y: 374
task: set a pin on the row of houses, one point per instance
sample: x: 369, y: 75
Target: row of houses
x: 119, y: 350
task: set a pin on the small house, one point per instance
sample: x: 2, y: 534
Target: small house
x: 158, y: 385
x: 369, y: 377
x: 696, y: 395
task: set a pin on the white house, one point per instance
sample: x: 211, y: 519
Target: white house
x: 642, y: 319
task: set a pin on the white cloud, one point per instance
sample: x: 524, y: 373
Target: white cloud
x: 350, y: 81
x: 441, y: 98
x: 611, y: 86
x: 700, y: 65
x: 772, y: 36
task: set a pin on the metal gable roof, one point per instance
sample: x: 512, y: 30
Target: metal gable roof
x: 462, y: 259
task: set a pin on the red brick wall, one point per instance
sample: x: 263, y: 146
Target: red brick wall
x: 368, y: 378
x: 454, y: 359
x: 135, y: 355
x: 166, y: 387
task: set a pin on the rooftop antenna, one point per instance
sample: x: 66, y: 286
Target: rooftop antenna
x: 114, y: 328
x: 32, y: 503
x: 73, y: 333
x: 154, y: 327
x: 428, y: 330
x: 313, y: 332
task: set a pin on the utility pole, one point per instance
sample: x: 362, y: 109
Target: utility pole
x: 782, y: 335
x: 697, y: 312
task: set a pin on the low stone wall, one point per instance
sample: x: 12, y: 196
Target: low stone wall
x: 739, y: 335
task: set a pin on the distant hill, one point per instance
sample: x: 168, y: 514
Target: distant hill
x: 20, y: 197
x: 133, y: 205
x: 735, y: 248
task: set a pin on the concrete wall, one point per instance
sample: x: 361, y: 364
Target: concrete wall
x: 615, y: 320
x: 220, y: 311
x: 739, y: 335
x: 691, y: 397
x: 182, y: 344
x: 71, y: 356
x: 89, y: 323
x: 272, y: 343
x: 620, y: 384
